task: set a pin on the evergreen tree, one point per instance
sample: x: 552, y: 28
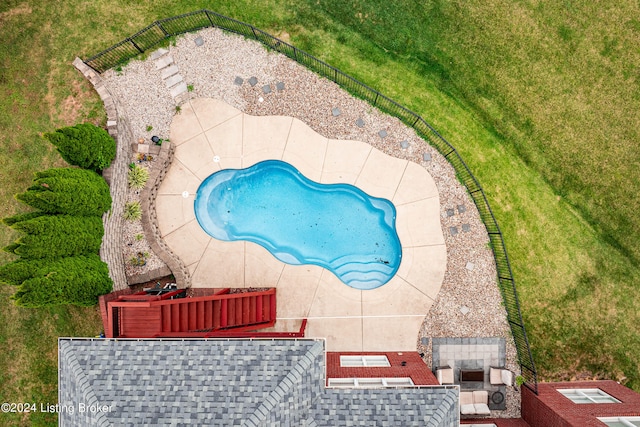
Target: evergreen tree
x: 72, y: 280
x: 58, y: 253
x: 55, y: 236
x: 84, y: 145
x: 10, y: 220
x: 17, y: 272
x: 69, y: 191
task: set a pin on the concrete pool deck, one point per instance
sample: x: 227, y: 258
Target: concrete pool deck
x: 210, y: 135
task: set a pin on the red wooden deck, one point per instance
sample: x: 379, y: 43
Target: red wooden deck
x: 146, y: 316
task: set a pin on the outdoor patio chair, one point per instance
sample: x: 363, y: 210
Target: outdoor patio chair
x: 499, y: 376
x: 474, y: 402
x: 444, y: 375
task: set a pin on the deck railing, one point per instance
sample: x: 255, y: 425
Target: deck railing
x: 163, y: 29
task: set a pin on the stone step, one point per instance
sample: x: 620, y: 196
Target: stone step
x: 173, y: 80
x: 182, y: 97
x: 163, y: 62
x: 158, y: 53
x: 169, y: 71
x: 177, y: 90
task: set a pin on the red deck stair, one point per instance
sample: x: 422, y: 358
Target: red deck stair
x: 146, y: 316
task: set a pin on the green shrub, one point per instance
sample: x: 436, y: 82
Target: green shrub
x: 10, y: 220
x: 132, y: 211
x: 17, y: 272
x: 55, y: 236
x: 84, y: 145
x: 69, y: 191
x: 73, y: 280
x: 138, y: 176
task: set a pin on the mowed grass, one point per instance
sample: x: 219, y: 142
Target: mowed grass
x: 29, y: 368
x: 578, y: 284
x: 486, y: 85
x: 553, y: 90
x: 40, y: 91
x: 559, y: 80
x: 37, y: 94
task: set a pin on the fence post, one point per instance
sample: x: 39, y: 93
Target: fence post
x: 159, y: 25
x: 135, y: 45
x: 90, y: 66
x: 206, y: 12
x: 254, y: 32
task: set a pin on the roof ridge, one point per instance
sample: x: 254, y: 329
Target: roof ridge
x: 82, y: 381
x: 259, y: 417
x: 443, y: 411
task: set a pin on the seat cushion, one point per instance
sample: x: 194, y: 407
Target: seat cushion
x: 507, y: 377
x: 481, y: 409
x: 467, y: 409
x: 445, y: 376
x: 481, y: 396
x: 466, y: 398
x: 495, y: 376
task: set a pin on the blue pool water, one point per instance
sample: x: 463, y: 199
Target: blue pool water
x: 337, y: 226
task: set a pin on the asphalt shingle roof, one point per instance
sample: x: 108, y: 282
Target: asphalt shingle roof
x: 227, y: 382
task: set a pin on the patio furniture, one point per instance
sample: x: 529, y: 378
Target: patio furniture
x: 444, y: 375
x: 474, y: 402
x: 500, y: 376
x: 473, y: 375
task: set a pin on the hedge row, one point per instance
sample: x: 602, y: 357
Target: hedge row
x: 55, y: 236
x: 59, y: 262
x: 75, y: 280
x: 68, y: 191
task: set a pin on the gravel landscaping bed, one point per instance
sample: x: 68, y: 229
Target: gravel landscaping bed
x: 469, y: 303
x: 133, y: 234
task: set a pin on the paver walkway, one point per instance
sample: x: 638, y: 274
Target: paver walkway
x: 210, y: 135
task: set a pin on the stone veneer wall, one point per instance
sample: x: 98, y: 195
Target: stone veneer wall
x: 116, y: 175
x: 150, y: 218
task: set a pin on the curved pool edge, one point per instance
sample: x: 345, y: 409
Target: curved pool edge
x: 389, y: 315
x: 364, y: 270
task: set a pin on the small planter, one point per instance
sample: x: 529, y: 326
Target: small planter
x: 144, y: 157
x: 157, y: 140
x: 139, y: 260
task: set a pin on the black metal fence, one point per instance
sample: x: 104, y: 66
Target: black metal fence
x: 161, y: 30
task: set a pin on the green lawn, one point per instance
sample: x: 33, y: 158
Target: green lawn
x: 541, y: 99
x: 555, y: 90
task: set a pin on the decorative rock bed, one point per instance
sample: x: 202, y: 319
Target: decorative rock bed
x: 238, y: 71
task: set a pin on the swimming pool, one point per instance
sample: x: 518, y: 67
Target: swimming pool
x: 335, y: 226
